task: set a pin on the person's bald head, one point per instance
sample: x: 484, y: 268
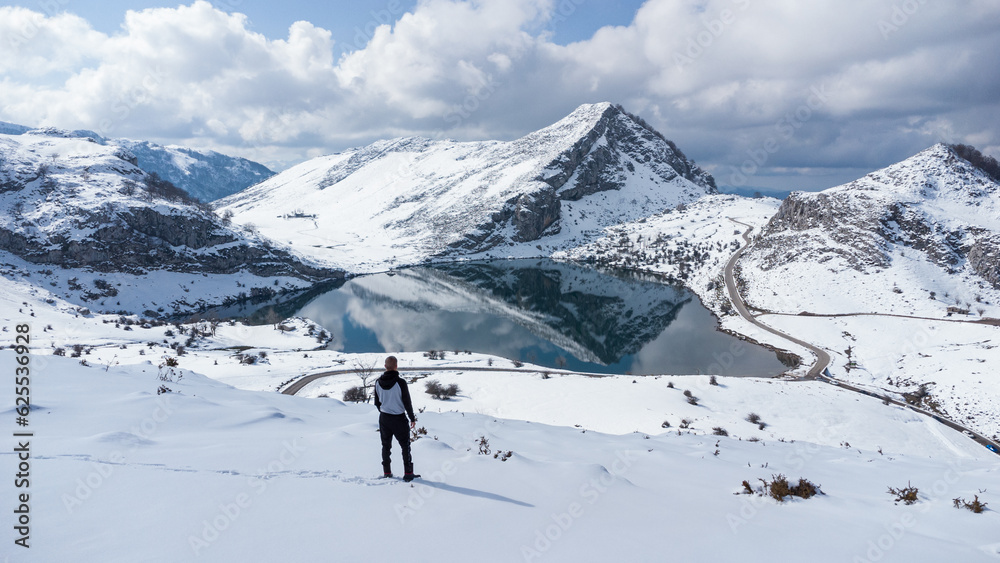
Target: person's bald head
x: 391, y: 363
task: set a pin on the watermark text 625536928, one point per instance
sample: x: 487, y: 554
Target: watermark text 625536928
x: 22, y: 436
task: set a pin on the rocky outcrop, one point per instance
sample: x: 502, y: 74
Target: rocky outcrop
x: 984, y: 257
x: 934, y: 203
x: 122, y: 248
x: 600, y: 166
x: 176, y: 229
x: 855, y: 239
x: 599, y: 161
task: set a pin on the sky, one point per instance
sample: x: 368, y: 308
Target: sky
x: 776, y: 95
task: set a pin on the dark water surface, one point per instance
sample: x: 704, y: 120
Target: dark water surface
x: 539, y: 311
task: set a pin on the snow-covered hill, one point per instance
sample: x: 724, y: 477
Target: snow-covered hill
x: 405, y: 200
x: 138, y: 462
x: 918, y: 240
x: 205, y: 175
x: 92, y: 225
x: 917, y: 237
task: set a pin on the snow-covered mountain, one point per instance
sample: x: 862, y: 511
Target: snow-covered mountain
x: 72, y: 204
x: 929, y: 224
x: 12, y: 128
x: 404, y: 200
x: 205, y: 175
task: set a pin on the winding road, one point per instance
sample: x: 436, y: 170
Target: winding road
x: 300, y: 383
x: 823, y: 358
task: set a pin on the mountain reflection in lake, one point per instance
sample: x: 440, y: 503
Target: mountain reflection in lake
x: 538, y: 311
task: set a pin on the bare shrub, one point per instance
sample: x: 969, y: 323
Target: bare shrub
x: 905, y: 495
x: 779, y: 488
x: 975, y: 506
x: 440, y: 392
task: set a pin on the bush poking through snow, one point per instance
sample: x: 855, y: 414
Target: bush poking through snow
x: 355, y: 394
x: 484, y: 445
x: 975, y: 506
x: 906, y: 495
x: 417, y: 433
x: 779, y: 488
x: 719, y: 431
x: 438, y: 391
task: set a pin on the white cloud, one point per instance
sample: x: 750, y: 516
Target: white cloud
x: 720, y: 77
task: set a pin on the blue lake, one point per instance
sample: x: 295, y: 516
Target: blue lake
x: 543, y: 312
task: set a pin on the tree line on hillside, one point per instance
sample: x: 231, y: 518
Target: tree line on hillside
x: 987, y: 164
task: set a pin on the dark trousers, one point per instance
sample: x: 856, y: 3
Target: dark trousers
x: 395, y: 426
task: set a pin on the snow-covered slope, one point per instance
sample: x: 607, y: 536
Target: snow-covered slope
x: 12, y: 128
x: 915, y: 250
x: 205, y: 175
x: 404, y: 200
x: 71, y: 207
x: 138, y: 463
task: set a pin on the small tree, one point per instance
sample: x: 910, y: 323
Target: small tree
x: 356, y: 395
x: 365, y: 371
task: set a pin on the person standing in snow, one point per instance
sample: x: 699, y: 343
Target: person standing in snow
x: 392, y: 399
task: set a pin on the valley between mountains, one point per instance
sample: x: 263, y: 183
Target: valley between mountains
x: 118, y: 273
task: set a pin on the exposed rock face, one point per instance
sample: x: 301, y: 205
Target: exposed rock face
x: 601, y: 166
x: 597, y: 167
x: 935, y: 203
x: 816, y: 216
x: 71, y: 201
x: 599, y: 161
x: 984, y: 257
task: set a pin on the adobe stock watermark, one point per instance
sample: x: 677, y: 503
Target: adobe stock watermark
x: 31, y: 29
x: 229, y: 512
x: 885, y: 365
x: 101, y: 471
x: 895, y: 532
x: 126, y: 102
x: 701, y: 42
x: 899, y: 17
x: 784, y: 130
x: 421, y: 493
x: 363, y: 34
x: 458, y: 113
x: 795, y: 460
x: 588, y: 494
x: 226, y: 5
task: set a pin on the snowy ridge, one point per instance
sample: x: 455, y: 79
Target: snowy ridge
x: 919, y: 224
x: 405, y: 200
x: 918, y: 240
x: 204, y: 174
x: 85, y: 216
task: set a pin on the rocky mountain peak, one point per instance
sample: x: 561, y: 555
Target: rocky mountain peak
x: 596, y: 167
x: 935, y: 203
